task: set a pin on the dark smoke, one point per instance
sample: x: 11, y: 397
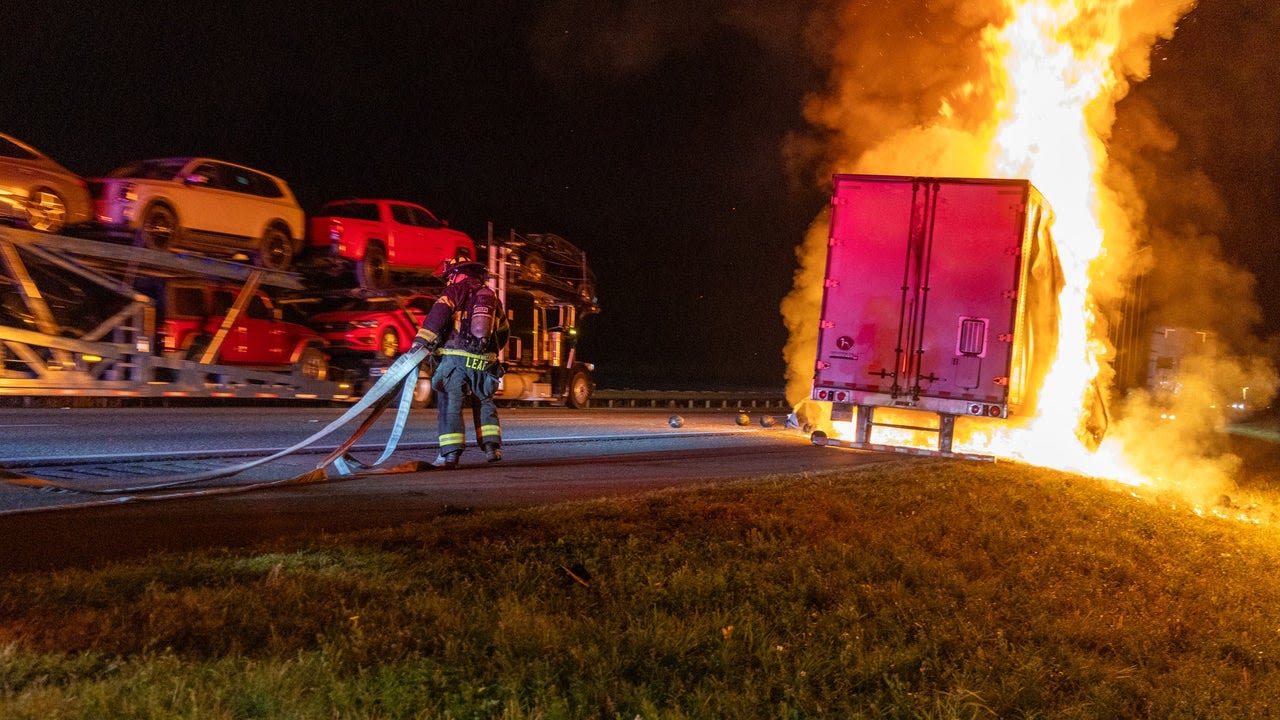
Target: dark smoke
x: 587, y: 42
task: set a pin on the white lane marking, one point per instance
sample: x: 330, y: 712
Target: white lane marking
x: 142, y: 455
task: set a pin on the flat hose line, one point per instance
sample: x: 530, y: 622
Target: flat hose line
x: 402, y: 373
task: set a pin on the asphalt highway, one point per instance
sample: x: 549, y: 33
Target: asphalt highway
x: 90, y: 459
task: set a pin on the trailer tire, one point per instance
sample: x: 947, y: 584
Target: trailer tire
x: 275, y: 250
x: 313, y: 364
x: 157, y: 229
x: 578, y: 396
x: 372, y: 271
x: 46, y: 211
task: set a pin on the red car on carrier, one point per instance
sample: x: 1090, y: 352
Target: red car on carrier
x: 261, y: 336
x: 371, y: 325
x: 377, y: 238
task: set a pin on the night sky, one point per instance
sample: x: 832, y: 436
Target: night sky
x: 657, y: 137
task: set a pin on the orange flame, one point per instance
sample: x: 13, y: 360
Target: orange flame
x: 1055, y: 71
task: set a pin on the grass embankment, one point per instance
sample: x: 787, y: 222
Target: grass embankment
x: 910, y: 589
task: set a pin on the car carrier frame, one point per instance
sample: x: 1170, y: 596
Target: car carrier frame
x: 121, y: 355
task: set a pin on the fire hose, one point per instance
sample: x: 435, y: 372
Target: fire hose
x: 401, y: 374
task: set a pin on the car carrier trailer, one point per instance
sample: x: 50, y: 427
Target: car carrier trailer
x: 940, y: 297
x: 80, y: 318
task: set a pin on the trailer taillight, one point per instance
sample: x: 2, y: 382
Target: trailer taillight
x: 981, y: 409
x: 832, y: 395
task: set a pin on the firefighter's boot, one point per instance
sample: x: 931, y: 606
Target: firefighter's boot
x: 492, y: 452
x: 447, y: 461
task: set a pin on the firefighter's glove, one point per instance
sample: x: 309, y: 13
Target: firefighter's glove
x: 420, y: 343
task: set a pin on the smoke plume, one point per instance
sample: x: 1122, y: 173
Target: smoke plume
x: 912, y: 92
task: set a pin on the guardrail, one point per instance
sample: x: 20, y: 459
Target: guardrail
x: 762, y: 400
x: 691, y: 399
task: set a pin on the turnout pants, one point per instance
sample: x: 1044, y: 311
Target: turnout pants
x: 458, y: 375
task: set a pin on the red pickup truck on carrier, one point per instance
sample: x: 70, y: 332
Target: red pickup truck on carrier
x: 377, y: 238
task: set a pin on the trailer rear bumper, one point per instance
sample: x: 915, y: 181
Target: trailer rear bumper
x: 971, y: 407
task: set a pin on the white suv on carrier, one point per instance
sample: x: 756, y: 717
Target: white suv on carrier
x: 202, y: 204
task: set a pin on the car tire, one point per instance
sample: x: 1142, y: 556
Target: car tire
x: 46, y: 211
x: 313, y: 364
x: 389, y: 343
x: 579, y: 395
x: 158, y: 228
x: 533, y: 268
x: 372, y: 271
x: 196, y: 345
x: 275, y: 250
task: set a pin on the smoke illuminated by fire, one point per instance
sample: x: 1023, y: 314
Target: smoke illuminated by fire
x: 1035, y: 98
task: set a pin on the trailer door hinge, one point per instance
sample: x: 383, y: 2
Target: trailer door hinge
x: 836, y: 200
x: 1005, y: 337
x: 1009, y: 294
x: 826, y: 324
x: 830, y: 283
x: 1015, y: 250
x: 1002, y: 381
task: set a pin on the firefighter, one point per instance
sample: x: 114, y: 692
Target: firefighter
x: 463, y: 329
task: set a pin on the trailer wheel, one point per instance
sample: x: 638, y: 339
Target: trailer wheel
x: 46, y: 212
x: 579, y: 396
x: 372, y: 271
x: 389, y: 343
x: 158, y: 228
x: 275, y: 251
x: 313, y: 364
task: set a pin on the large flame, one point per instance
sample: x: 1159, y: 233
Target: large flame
x: 1042, y: 108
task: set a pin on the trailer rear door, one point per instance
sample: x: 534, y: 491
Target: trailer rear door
x: 920, y: 292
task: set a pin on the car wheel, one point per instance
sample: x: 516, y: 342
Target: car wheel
x: 276, y: 250
x: 313, y: 364
x: 46, y: 212
x: 579, y: 395
x: 389, y: 343
x: 533, y: 267
x: 158, y: 229
x: 372, y: 271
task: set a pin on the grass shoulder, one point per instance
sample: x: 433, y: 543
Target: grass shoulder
x: 910, y: 588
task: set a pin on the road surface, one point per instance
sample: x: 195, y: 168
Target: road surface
x: 551, y: 456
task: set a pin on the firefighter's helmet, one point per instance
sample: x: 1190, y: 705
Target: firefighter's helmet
x: 453, y: 266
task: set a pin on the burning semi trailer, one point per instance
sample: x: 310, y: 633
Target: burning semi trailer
x: 940, y: 303
x: 932, y: 313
